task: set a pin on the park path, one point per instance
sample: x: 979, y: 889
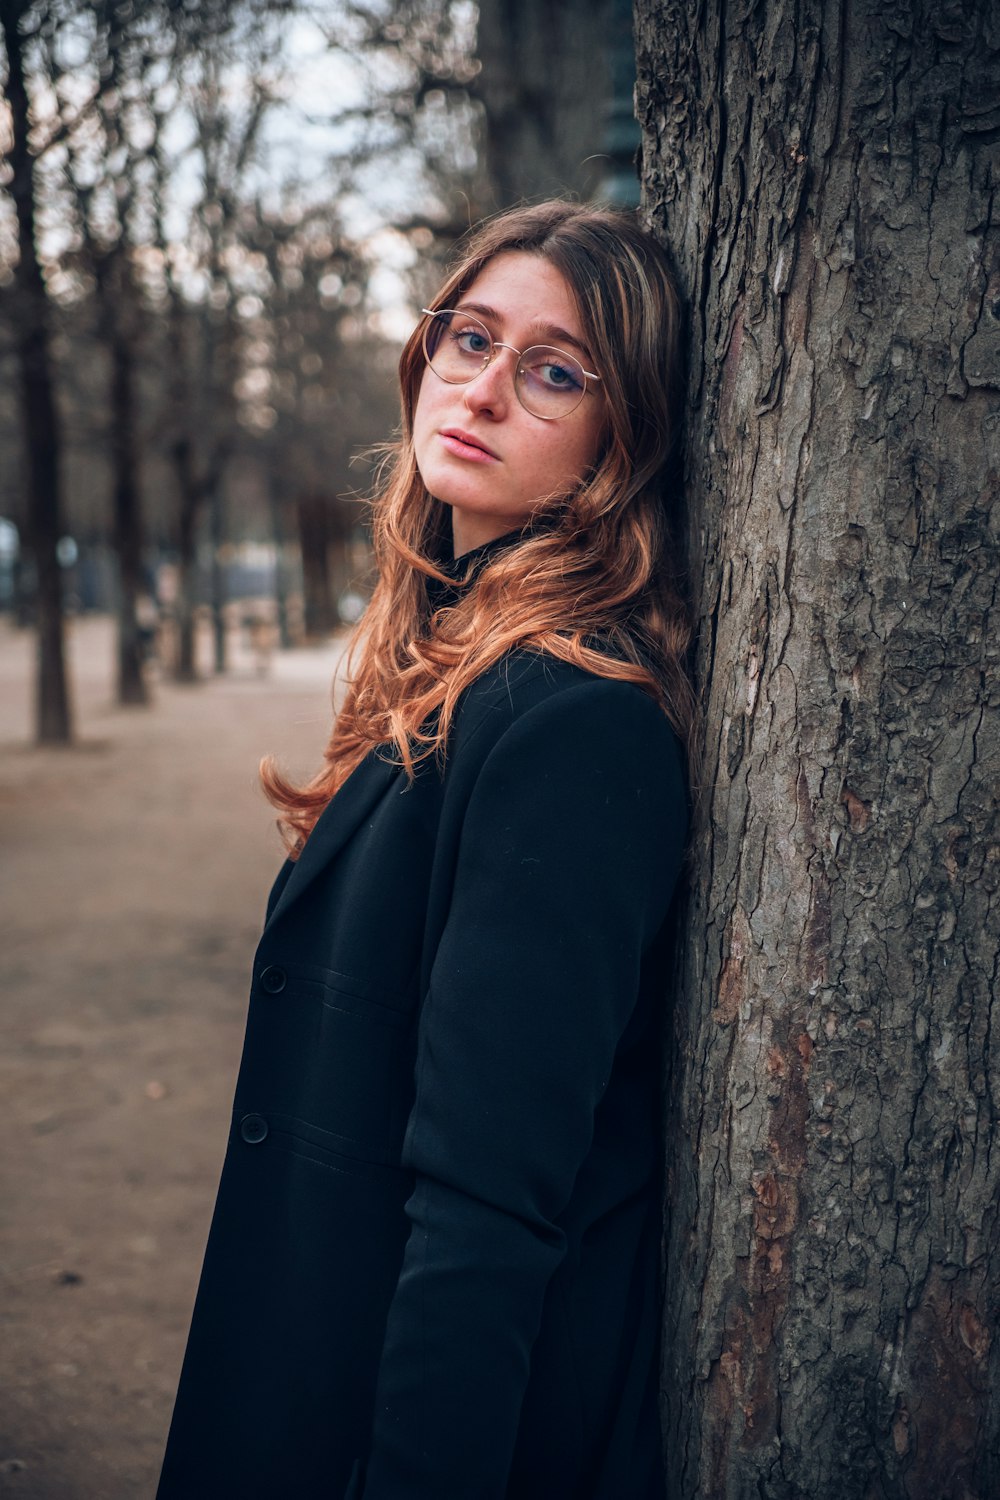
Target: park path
x: 135, y: 869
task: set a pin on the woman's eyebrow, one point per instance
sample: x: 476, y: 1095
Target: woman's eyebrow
x: 539, y: 326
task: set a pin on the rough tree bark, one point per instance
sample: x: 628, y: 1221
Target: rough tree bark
x: 53, y: 721
x: 827, y: 179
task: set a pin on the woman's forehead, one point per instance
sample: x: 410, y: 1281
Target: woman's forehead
x: 522, y: 281
x: 522, y: 287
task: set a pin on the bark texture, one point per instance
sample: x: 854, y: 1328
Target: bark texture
x: 827, y: 179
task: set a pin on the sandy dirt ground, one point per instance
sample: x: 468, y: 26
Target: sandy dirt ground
x: 135, y: 870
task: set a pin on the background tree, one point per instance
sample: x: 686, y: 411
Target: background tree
x: 155, y: 130
x: 107, y: 156
x: 317, y: 387
x: 827, y: 179
x: 26, y: 304
x: 226, y: 61
x: 147, y: 145
x: 545, y: 88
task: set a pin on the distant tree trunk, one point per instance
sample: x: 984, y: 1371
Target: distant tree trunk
x: 827, y: 179
x: 314, y: 538
x: 189, y: 507
x: 116, y: 315
x: 545, y: 86
x: 341, y: 519
x: 194, y: 400
x: 194, y: 491
x: 217, y: 521
x: 277, y: 512
x: 178, y: 424
x: 43, y: 438
x: 194, y: 484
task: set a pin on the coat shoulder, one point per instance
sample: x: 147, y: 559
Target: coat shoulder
x: 532, y: 691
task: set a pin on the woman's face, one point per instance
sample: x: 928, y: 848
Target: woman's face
x: 476, y: 447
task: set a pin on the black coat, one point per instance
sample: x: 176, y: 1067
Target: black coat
x: 432, y: 1268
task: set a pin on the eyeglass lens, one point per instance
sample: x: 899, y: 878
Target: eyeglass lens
x: 549, y: 382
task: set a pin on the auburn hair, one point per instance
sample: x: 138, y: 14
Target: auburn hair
x: 594, y: 578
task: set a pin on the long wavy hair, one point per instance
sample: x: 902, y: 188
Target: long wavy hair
x: 594, y: 579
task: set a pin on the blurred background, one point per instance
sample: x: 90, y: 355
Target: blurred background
x: 218, y: 221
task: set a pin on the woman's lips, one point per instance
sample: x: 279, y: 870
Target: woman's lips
x: 463, y: 446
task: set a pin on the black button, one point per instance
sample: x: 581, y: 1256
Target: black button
x: 273, y: 980
x: 253, y: 1129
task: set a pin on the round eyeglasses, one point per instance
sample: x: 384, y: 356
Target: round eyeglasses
x: 549, y: 383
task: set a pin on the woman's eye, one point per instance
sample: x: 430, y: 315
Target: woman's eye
x: 470, y: 340
x: 559, y: 377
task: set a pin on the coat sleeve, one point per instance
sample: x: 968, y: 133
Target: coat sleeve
x: 569, y: 852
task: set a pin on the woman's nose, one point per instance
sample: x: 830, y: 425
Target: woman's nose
x: 493, y: 388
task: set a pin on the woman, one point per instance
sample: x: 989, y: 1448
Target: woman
x: 432, y: 1269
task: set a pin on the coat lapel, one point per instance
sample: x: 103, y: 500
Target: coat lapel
x: 339, y: 819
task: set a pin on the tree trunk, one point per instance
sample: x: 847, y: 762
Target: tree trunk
x: 545, y: 124
x: 314, y: 539
x: 118, y: 324
x: 117, y: 330
x: 276, y: 508
x: 827, y: 179
x: 43, y: 438
x: 189, y: 507
x: 217, y: 523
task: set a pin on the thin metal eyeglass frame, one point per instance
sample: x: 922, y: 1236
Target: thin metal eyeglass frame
x: 496, y: 344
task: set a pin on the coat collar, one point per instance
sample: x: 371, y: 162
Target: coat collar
x: 369, y: 781
x: 466, y: 568
x: 344, y: 813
